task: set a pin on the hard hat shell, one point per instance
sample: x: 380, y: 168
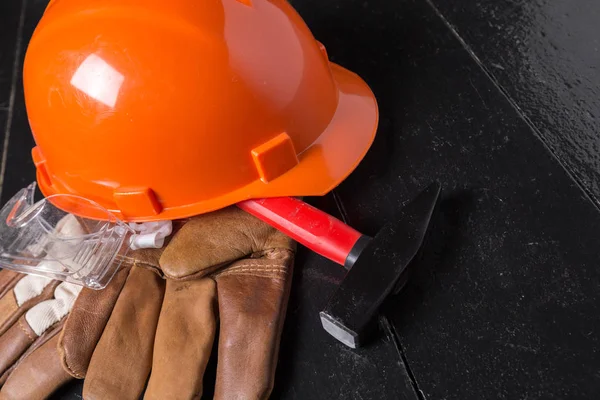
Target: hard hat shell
x: 165, y: 109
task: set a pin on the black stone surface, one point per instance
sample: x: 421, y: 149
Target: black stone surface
x: 20, y: 170
x: 504, y: 302
x: 546, y: 56
x: 10, y: 13
x: 3, y: 120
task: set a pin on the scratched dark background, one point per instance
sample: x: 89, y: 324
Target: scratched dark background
x: 499, y: 101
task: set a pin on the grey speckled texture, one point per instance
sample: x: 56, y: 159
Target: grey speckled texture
x: 505, y: 303
x: 546, y: 55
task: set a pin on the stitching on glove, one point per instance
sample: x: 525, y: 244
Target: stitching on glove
x: 262, y: 270
x: 210, y: 272
x: 150, y: 267
x: 279, y: 277
x: 131, y: 261
x: 65, y: 357
x: 261, y: 267
x: 71, y: 370
x: 278, y: 253
x: 25, y: 330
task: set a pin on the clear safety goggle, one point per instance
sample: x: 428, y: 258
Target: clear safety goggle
x: 41, y: 238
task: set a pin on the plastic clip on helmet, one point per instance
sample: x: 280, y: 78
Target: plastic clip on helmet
x: 147, y: 110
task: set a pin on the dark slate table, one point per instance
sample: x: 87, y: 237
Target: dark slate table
x: 498, y: 100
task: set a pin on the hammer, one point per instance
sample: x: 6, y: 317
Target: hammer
x: 377, y: 266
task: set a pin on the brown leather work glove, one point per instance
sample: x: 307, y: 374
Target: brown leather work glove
x: 32, y: 311
x: 19, y: 295
x: 158, y: 318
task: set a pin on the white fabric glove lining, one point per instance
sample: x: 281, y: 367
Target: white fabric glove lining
x: 45, y: 314
x: 29, y: 287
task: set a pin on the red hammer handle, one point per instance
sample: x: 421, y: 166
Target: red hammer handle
x: 315, y: 229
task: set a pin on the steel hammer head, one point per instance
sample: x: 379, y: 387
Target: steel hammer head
x: 379, y: 268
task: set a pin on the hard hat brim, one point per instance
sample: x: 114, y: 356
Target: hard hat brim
x: 328, y: 161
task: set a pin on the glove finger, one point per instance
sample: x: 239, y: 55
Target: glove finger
x: 34, y: 326
x: 122, y: 359
x: 8, y: 279
x: 252, y: 297
x: 211, y: 240
x: 39, y: 374
x: 184, y: 339
x: 14, y: 343
x: 86, y: 322
x: 27, y: 291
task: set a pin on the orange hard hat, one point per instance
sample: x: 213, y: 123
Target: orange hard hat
x: 165, y: 109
